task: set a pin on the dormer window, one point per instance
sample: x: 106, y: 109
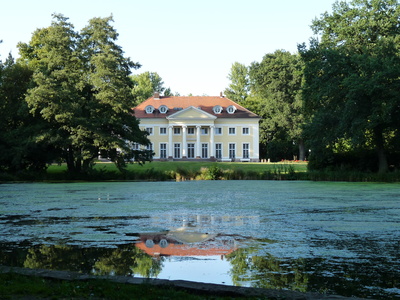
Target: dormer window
x: 149, y: 109
x: 163, y: 109
x: 217, y: 109
x: 231, y: 109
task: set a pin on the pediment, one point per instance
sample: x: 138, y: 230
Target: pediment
x: 191, y: 113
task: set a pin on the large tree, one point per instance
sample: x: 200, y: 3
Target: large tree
x: 352, y: 90
x: 145, y: 84
x: 277, y: 82
x: 20, y: 144
x: 239, y: 88
x: 83, y: 91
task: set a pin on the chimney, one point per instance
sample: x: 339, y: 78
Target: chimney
x: 156, y: 96
x: 221, y: 95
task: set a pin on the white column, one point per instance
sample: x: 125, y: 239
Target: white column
x: 256, y: 144
x: 184, y: 146
x: 211, y: 155
x: 170, y: 142
x: 198, y: 144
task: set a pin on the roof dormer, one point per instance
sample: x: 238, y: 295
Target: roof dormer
x: 217, y: 109
x: 149, y: 109
x: 231, y: 109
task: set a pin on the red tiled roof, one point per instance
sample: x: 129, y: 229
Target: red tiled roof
x: 205, y: 103
x: 184, y: 250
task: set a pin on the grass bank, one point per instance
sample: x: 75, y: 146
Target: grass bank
x: 161, y: 171
x: 17, y: 286
x: 188, y: 170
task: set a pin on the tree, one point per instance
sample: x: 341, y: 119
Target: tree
x: 82, y: 91
x: 19, y: 147
x: 276, y: 82
x: 145, y: 84
x: 239, y: 88
x: 352, y: 78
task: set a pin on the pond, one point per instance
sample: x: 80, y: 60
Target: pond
x: 332, y: 237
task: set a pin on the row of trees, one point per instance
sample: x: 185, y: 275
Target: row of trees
x: 339, y: 97
x: 69, y: 97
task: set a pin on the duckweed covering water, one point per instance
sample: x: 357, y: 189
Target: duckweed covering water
x: 341, y: 238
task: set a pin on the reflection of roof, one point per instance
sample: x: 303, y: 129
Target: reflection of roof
x: 185, y: 250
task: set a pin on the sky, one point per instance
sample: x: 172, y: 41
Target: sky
x: 191, y: 44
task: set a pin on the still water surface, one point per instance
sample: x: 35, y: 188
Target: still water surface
x: 341, y: 238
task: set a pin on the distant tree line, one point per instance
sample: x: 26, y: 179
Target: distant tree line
x: 337, y: 101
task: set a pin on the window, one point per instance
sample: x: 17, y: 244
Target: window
x: 163, y: 109
x: 217, y: 109
x: 163, y: 150
x: 246, y: 148
x: 190, y: 130
x: 190, y: 149
x: 149, y: 109
x: 232, y: 151
x: 177, y: 130
x: 149, y: 130
x: 177, y: 150
x: 232, y: 130
x: 245, y: 131
x: 136, y: 146
x: 149, y: 147
x: 204, y: 150
x: 163, y: 130
x: 218, y: 130
x: 231, y: 109
x: 218, y: 150
x: 204, y: 130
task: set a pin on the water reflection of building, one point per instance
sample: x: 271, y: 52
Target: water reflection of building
x: 197, y: 236
x: 212, y: 222
x: 180, y: 243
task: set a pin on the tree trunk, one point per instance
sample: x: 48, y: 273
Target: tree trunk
x: 379, y: 142
x: 70, y: 160
x: 302, y: 150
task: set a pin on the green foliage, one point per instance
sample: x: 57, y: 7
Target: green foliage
x: 145, y: 84
x: 352, y: 78
x: 21, y: 138
x: 212, y: 173
x: 276, y: 82
x: 239, y: 88
x: 15, y: 286
x: 82, y: 91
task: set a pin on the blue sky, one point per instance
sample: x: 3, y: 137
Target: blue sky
x: 190, y: 44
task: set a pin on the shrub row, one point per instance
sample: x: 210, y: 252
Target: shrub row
x: 214, y: 172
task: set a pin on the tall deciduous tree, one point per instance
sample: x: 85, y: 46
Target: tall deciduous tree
x: 239, y: 87
x: 353, y: 77
x: 145, y: 84
x: 83, y: 91
x: 277, y: 81
x: 19, y: 148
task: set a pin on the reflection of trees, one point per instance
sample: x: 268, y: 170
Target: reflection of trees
x: 267, y: 271
x: 124, y: 260
x: 60, y: 258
